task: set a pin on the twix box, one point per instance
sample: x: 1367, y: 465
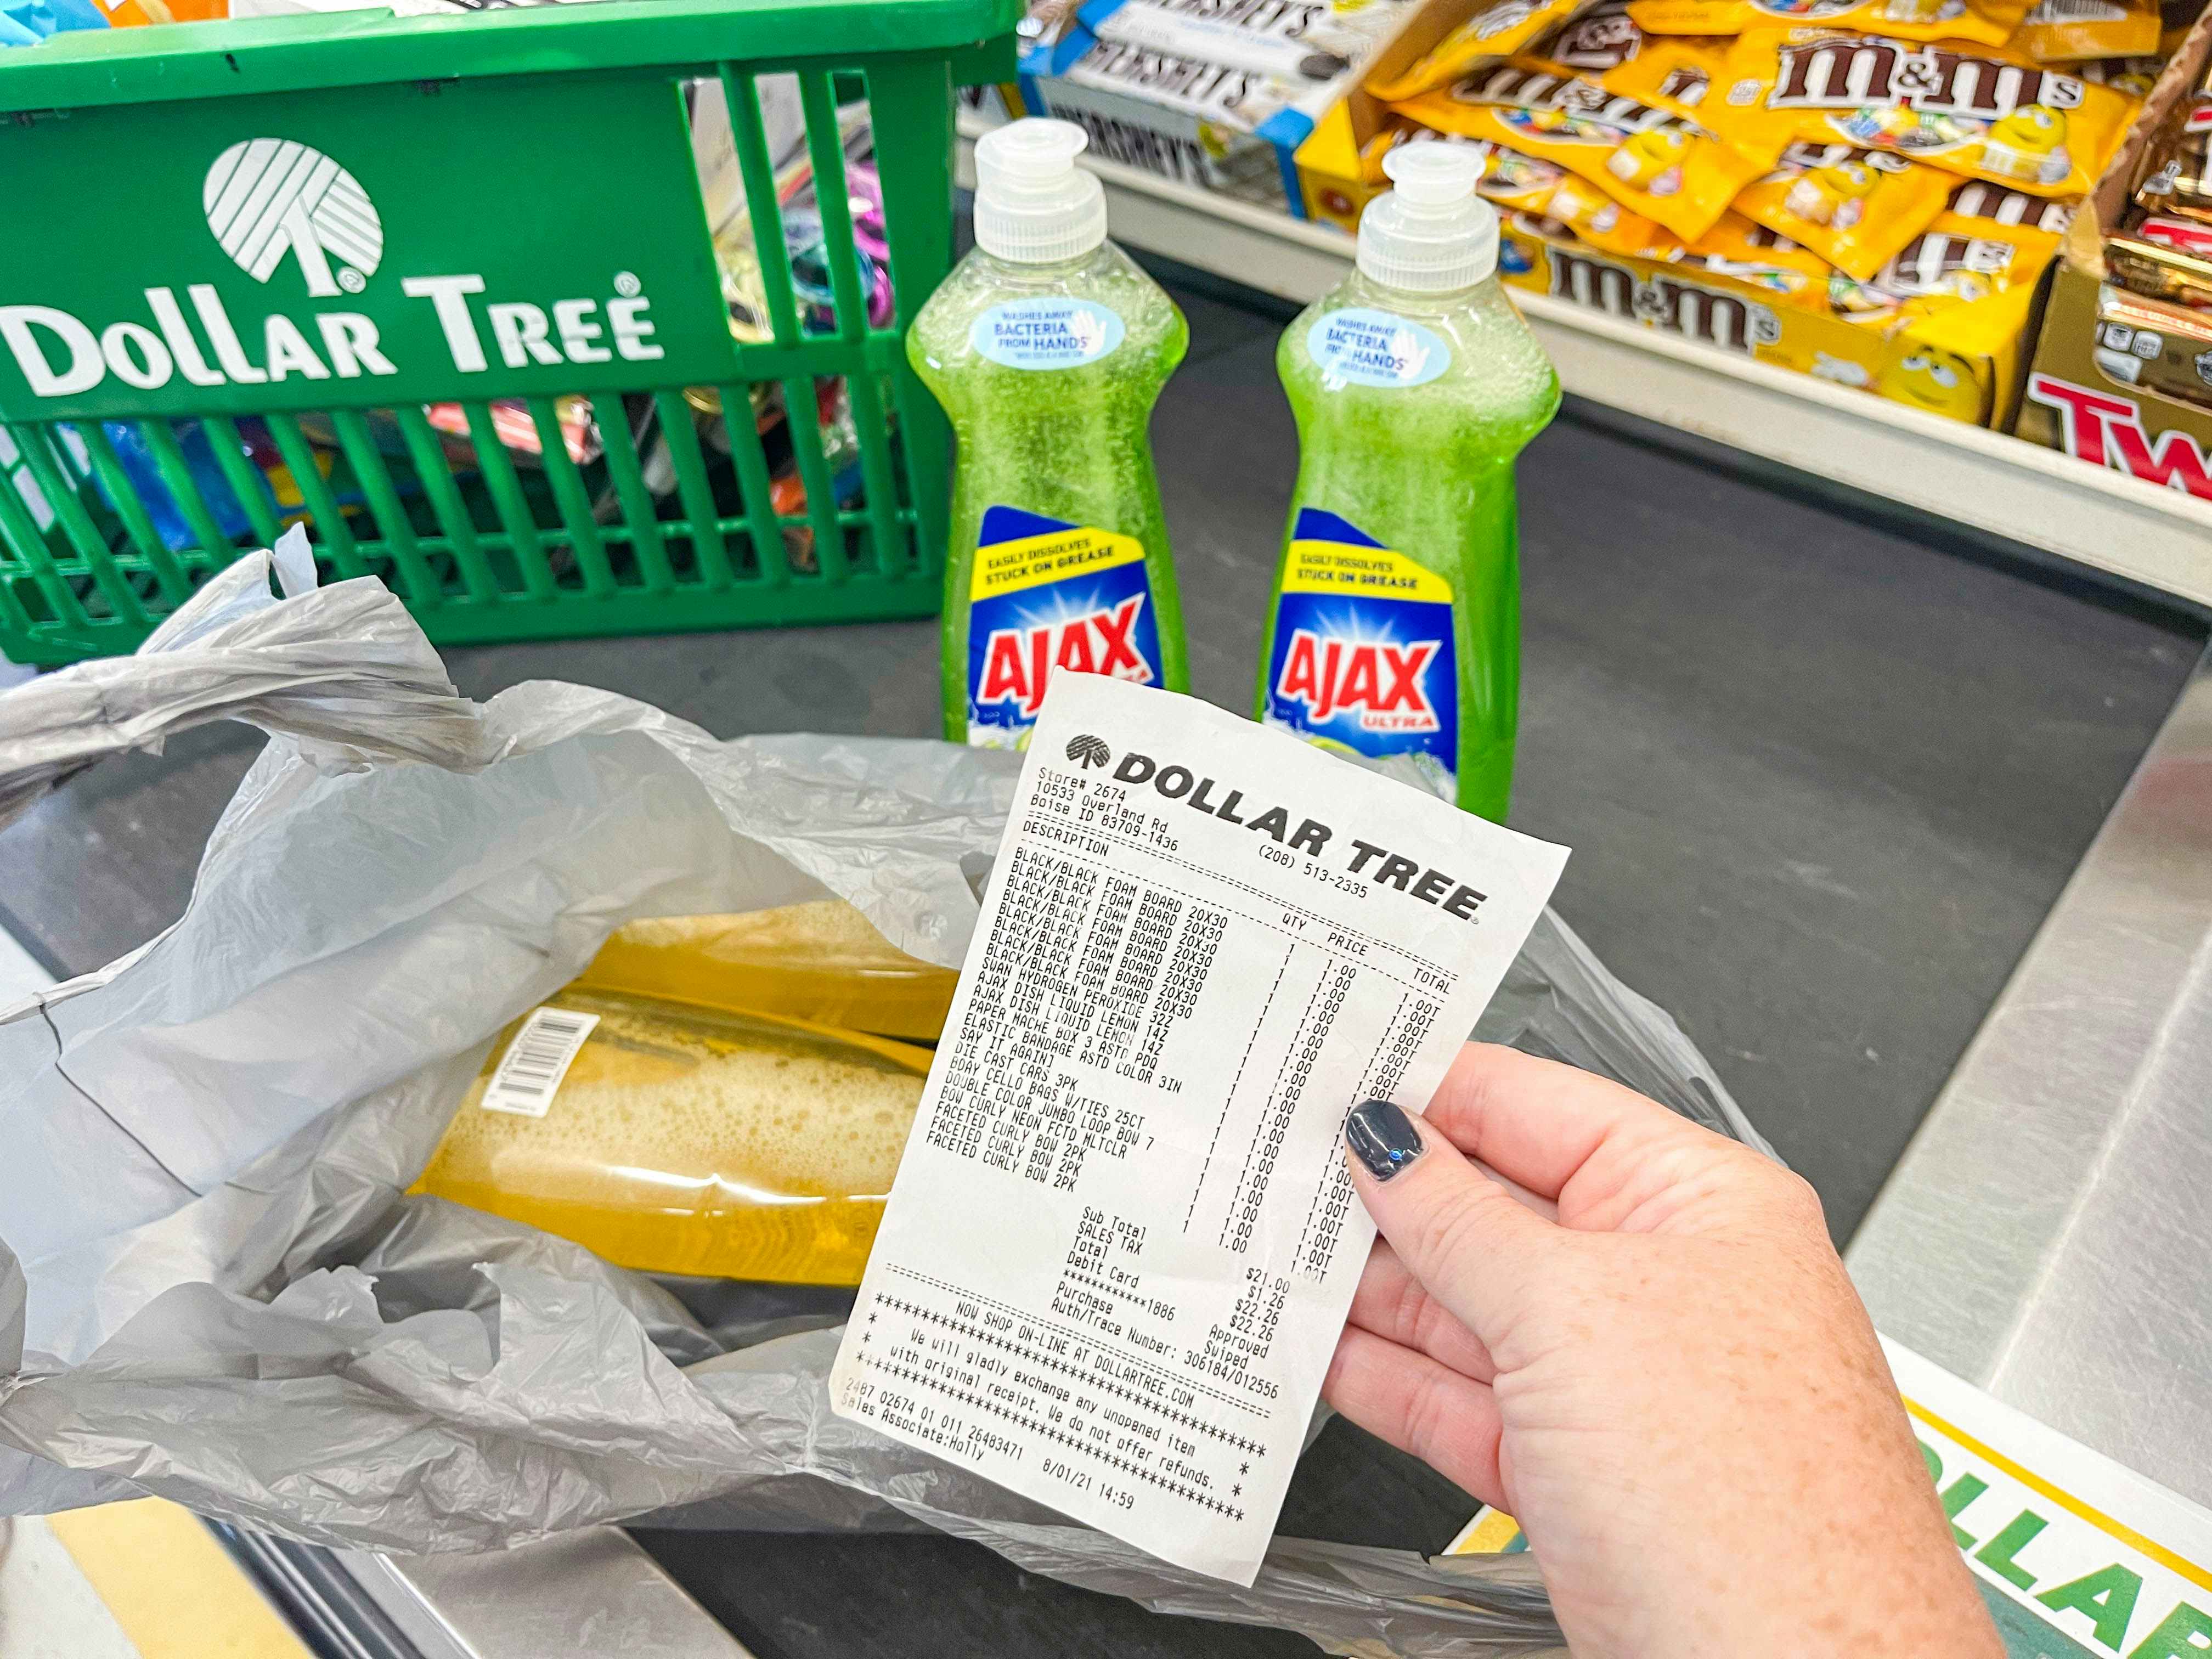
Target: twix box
x: 2123, y: 379
x: 2155, y: 345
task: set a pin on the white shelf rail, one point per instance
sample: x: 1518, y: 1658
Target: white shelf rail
x: 2159, y: 538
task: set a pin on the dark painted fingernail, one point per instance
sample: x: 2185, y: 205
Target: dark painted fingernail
x: 1384, y: 1138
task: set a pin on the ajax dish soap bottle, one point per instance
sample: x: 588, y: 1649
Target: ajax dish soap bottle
x: 1048, y: 347
x: 1396, y: 628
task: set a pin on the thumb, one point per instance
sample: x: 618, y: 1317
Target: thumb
x: 1472, y: 1245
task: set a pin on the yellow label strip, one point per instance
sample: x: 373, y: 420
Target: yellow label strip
x: 2066, y: 1500
x: 171, y: 1586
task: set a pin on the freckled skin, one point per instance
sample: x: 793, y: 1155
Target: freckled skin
x: 1646, y: 1349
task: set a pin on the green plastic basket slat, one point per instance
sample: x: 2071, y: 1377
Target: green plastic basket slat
x: 632, y: 611
x: 137, y: 524
x: 245, y: 483
x: 801, y: 416
x: 885, y: 532
x: 514, y: 514
x: 832, y: 202
x: 326, y: 518
x: 445, y: 503
x: 14, y: 619
x: 755, y: 167
x: 477, y: 546
x: 816, y: 353
x: 418, y: 584
x: 36, y: 443
x: 754, y: 486
x: 915, y: 100
x: 213, y: 547
x: 646, y: 546
x: 22, y: 533
x: 695, y: 490
x: 586, y: 545
x: 833, y: 197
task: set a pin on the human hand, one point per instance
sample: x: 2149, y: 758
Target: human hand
x: 1634, y: 1336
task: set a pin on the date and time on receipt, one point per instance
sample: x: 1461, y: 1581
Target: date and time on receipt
x: 1121, y: 1241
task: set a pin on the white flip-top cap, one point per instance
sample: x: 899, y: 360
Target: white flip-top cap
x: 1432, y: 233
x: 1033, y: 204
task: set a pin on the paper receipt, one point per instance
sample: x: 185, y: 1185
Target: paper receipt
x: 1123, y: 1241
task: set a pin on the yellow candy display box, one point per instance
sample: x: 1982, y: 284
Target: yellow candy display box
x: 1963, y: 363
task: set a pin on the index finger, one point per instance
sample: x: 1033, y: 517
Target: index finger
x: 1537, y: 1121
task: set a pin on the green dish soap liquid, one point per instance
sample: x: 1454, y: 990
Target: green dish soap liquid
x: 1395, y: 628
x: 1047, y: 348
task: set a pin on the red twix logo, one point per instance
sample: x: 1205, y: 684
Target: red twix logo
x: 2108, y: 431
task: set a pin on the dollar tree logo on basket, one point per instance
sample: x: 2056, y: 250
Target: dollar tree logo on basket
x: 300, y: 224
x: 266, y: 197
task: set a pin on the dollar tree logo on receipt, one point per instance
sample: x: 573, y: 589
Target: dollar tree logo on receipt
x: 1088, y: 751
x: 268, y: 198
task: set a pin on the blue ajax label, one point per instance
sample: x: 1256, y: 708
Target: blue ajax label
x: 1045, y: 595
x: 1363, y: 658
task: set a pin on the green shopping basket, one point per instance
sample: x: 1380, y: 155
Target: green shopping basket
x: 444, y: 290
